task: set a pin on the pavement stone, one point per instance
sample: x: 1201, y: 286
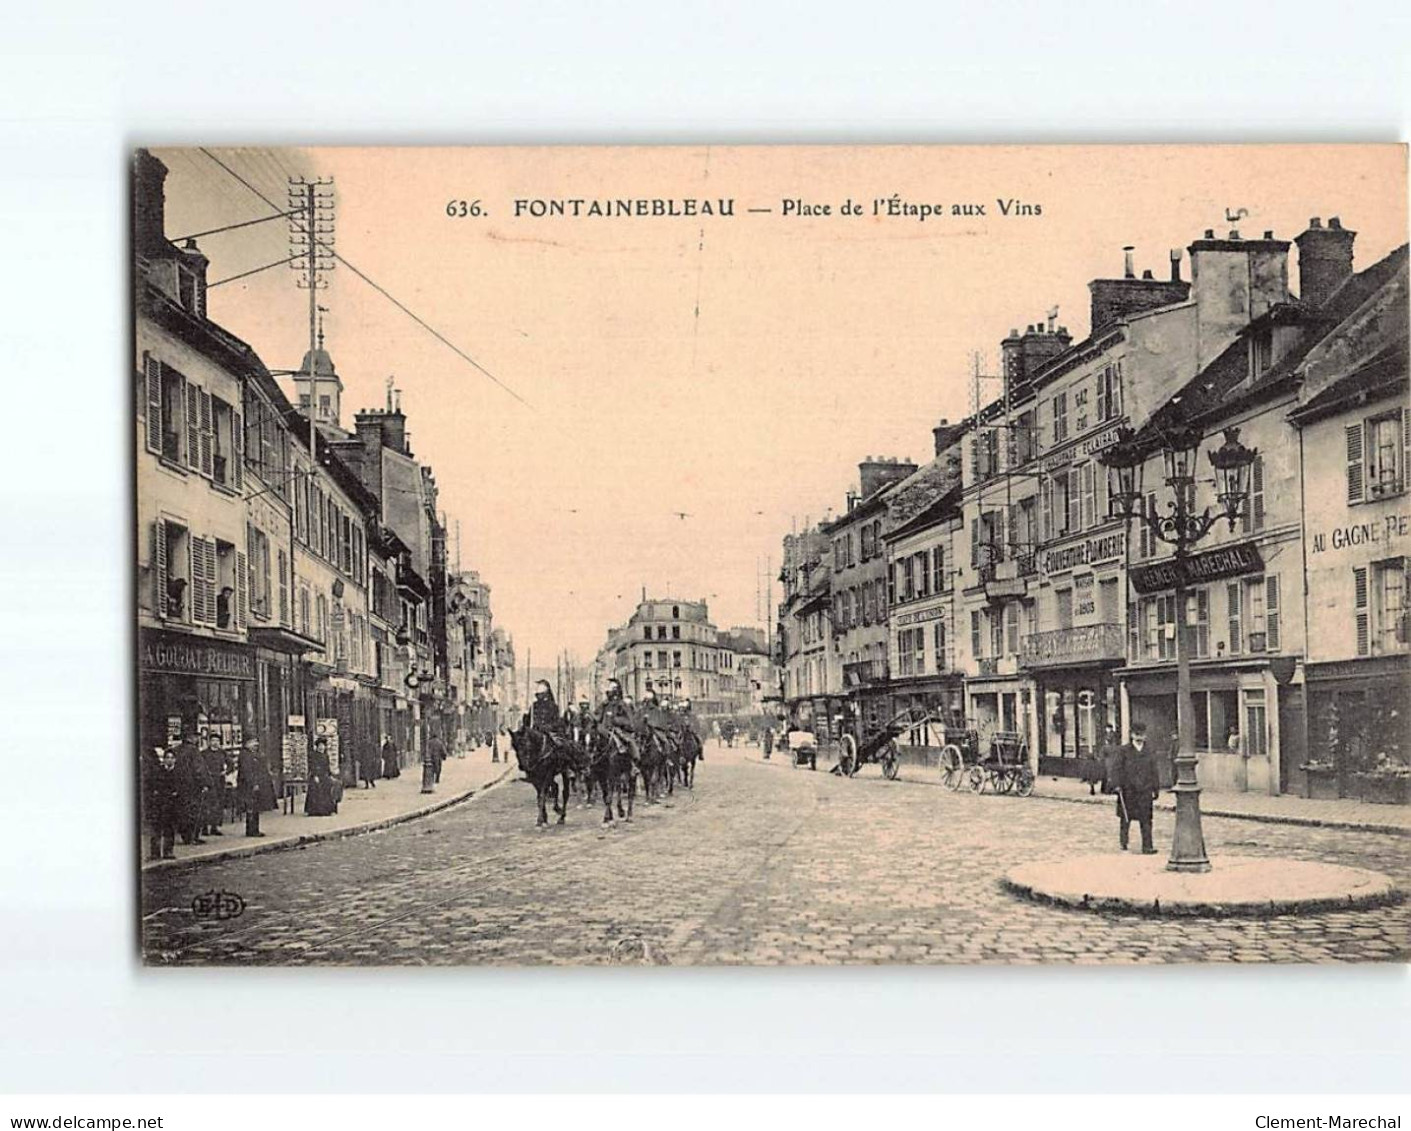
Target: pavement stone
x: 760, y: 864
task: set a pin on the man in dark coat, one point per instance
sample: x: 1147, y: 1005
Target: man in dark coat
x: 189, y: 775
x: 159, y: 803
x: 437, y: 751
x: 213, y: 797
x: 369, y: 765
x: 391, y: 762
x: 1137, y: 787
x: 249, y: 779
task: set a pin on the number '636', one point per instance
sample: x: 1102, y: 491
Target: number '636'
x: 459, y: 208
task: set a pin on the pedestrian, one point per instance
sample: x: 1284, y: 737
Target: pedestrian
x: 320, y: 800
x: 249, y: 784
x: 391, y: 762
x: 768, y: 742
x: 369, y: 764
x: 1096, y: 770
x: 437, y: 749
x: 189, y: 776
x: 1138, y: 784
x: 159, y: 803
x: 213, y: 796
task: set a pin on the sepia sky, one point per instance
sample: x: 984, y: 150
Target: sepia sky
x: 734, y: 370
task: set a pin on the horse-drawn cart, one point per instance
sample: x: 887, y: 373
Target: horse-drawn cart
x: 999, y: 764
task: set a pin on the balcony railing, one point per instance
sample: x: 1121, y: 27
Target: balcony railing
x: 863, y: 673
x: 1091, y: 643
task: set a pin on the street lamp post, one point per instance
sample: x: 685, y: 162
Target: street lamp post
x: 1181, y: 527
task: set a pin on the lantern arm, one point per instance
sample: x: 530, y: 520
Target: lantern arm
x: 1180, y: 528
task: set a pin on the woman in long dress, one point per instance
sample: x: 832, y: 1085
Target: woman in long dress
x: 319, y: 801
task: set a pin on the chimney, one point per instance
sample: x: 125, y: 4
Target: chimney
x: 1324, y: 260
x: 1129, y: 262
x: 1175, y: 265
x: 875, y: 474
x: 191, y: 278
x: 1234, y: 281
x: 149, y: 204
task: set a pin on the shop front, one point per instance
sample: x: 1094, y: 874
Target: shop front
x: 1359, y: 730
x: 996, y: 703
x: 194, y: 685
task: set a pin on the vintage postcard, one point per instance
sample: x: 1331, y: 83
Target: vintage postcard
x: 772, y: 555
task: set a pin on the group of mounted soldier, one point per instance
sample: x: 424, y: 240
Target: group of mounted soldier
x: 608, y: 750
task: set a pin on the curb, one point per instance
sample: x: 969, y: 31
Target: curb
x: 1265, y: 818
x: 1246, y: 909
x: 303, y: 839
x: 1228, y: 814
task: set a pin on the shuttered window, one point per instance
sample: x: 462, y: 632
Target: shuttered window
x: 1361, y: 610
x: 1089, y: 495
x: 1271, y: 613
x: 1355, y: 484
x: 1235, y: 627
x: 1075, y: 501
x: 152, y: 400
x: 242, y: 591
x: 193, y: 427
x: 208, y: 431
x: 1253, y: 518
x: 159, y: 568
x: 282, y: 560
x: 938, y: 569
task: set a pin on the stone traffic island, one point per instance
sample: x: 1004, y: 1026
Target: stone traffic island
x: 1235, y: 886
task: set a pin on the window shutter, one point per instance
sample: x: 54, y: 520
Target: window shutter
x: 1232, y: 601
x: 1046, y: 509
x: 159, y: 567
x: 1075, y: 500
x: 283, y: 588
x: 207, y: 432
x: 197, y: 572
x: 242, y: 591
x: 1089, y: 494
x: 237, y: 436
x: 1012, y: 532
x: 193, y: 427
x: 974, y: 541
x: 1404, y: 480
x: 1271, y: 613
x: 1359, y: 602
x: 1354, y: 463
x: 1256, y: 488
x: 152, y: 380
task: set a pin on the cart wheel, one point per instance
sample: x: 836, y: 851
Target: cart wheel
x: 975, y: 779
x: 891, y: 764
x: 1024, y: 786
x: 952, y: 767
x: 847, y: 759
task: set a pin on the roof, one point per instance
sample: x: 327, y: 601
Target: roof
x: 1377, y: 378
x: 1224, y: 384
x: 946, y: 506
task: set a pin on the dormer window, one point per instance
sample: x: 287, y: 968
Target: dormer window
x: 191, y: 293
x: 1261, y: 352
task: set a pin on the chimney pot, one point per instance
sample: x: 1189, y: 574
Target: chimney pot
x: 1315, y: 222
x: 1334, y: 222
x: 1147, y: 275
x: 1210, y: 233
x: 1234, y: 233
x: 1128, y: 262
x: 1269, y: 234
x: 1175, y: 265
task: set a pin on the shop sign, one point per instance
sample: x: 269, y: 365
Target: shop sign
x: 1373, y: 532
x: 294, y: 756
x: 1089, y: 551
x: 184, y: 655
x: 1089, y: 446
x: 1227, y: 561
x: 921, y: 616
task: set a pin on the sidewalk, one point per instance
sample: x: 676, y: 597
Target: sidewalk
x: 1283, y: 810
x: 361, y: 810
x: 1393, y: 820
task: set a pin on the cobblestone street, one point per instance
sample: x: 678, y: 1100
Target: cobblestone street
x: 763, y: 864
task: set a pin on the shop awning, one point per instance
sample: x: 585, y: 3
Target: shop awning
x: 279, y: 639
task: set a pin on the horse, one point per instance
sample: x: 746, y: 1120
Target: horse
x: 690, y: 753
x: 543, y: 757
x: 611, y: 768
